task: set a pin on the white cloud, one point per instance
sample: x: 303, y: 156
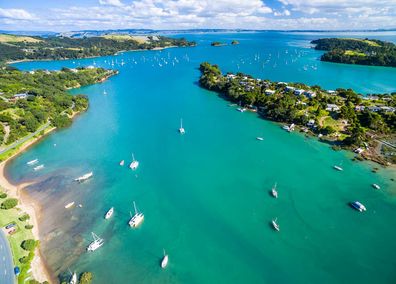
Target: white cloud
x: 283, y: 13
x: 16, y: 14
x: 110, y: 2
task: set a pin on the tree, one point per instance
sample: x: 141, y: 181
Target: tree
x: 9, y: 203
x: 29, y: 244
x: 86, y: 278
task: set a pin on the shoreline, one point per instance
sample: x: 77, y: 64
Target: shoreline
x: 39, y: 268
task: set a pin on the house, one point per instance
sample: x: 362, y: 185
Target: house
x: 311, y: 123
x: 299, y: 92
x: 331, y: 92
x: 289, y: 88
x: 74, y: 70
x: 230, y: 76
x: 387, y: 109
x: 282, y: 84
x: 332, y: 107
x: 269, y: 92
x: 20, y: 96
x: 359, y: 108
x: 374, y: 108
x: 358, y: 150
x: 310, y: 94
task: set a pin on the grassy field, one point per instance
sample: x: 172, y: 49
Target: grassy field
x: 13, y: 38
x: 369, y: 42
x: 15, y: 240
x: 139, y: 39
x: 354, y: 53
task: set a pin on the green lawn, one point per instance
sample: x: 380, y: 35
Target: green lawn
x: 354, y: 53
x: 15, y: 240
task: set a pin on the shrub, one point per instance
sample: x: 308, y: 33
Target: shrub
x: 29, y: 227
x: 24, y: 217
x: 24, y: 259
x: 9, y: 203
x: 3, y: 195
x: 29, y: 244
x: 86, y: 278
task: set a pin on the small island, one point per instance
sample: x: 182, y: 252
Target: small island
x: 342, y: 118
x: 235, y: 42
x: 217, y: 43
x: 17, y: 48
x: 357, y: 51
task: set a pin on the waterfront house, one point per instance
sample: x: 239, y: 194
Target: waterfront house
x: 289, y: 89
x: 310, y: 94
x: 230, y: 76
x: 332, y: 107
x: 269, y: 92
x: 311, y: 123
x: 374, y: 108
x: 299, y: 92
x: 359, y: 108
x: 331, y: 92
x: 388, y: 109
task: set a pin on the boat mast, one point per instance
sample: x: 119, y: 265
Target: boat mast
x: 181, y: 123
x: 134, y: 205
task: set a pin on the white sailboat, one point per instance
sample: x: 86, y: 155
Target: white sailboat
x: 376, y: 186
x: 274, y: 192
x: 38, y: 167
x: 96, y: 243
x: 181, y: 129
x: 109, y: 213
x: 122, y: 162
x: 134, y: 164
x: 164, y: 261
x: 259, y: 138
x: 275, y: 225
x: 137, y: 218
x: 84, y: 177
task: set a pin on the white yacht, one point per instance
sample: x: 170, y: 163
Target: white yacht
x: 134, y: 164
x: 338, y: 168
x: 73, y: 279
x: 376, y: 186
x: 84, y: 177
x: 181, y: 129
x: 137, y: 218
x: 68, y: 205
x: 96, y: 243
x: 32, y: 162
x: 38, y: 167
x: 164, y: 261
x: 260, y: 138
x: 358, y: 206
x: 109, y: 213
x: 241, y: 109
x: 274, y: 192
x: 275, y: 225
x: 104, y: 92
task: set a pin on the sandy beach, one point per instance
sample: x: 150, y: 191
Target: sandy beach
x: 26, y: 204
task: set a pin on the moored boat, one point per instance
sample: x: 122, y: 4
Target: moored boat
x: 96, y: 243
x: 32, y: 162
x: 260, y: 138
x: 376, y: 186
x: 358, y: 206
x: 109, y: 213
x: 338, y: 168
x: 68, y: 205
x: 164, y: 261
x: 38, y: 167
x: 84, y: 177
x: 136, y: 219
x: 73, y: 279
x: 134, y: 164
x: 122, y: 163
x: 274, y: 192
x: 181, y: 129
x: 275, y: 225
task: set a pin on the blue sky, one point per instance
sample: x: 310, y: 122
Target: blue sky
x: 66, y: 15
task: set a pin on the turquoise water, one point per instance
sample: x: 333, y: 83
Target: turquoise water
x: 205, y: 195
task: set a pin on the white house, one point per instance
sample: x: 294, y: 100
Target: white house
x: 331, y: 92
x: 310, y: 94
x: 299, y: 92
x: 20, y: 96
x: 332, y: 107
x: 269, y: 92
x: 289, y: 88
x: 359, y: 108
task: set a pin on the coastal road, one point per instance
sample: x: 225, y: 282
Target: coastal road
x: 6, y: 265
x: 24, y: 139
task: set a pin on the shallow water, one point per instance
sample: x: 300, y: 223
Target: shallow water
x: 205, y: 195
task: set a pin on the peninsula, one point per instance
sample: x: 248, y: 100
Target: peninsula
x: 357, y: 51
x: 342, y: 118
x: 17, y: 48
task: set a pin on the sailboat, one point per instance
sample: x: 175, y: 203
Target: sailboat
x: 274, y: 192
x: 109, y: 213
x: 96, y: 243
x: 136, y: 219
x: 122, y: 163
x: 275, y: 225
x: 164, y: 261
x: 104, y: 92
x: 134, y: 164
x: 181, y: 129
